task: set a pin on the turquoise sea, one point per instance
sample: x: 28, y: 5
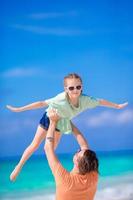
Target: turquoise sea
x: 36, y: 182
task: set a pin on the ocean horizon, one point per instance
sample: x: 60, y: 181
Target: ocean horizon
x: 36, y: 181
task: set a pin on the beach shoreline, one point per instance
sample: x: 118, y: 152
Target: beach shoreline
x: 115, y: 178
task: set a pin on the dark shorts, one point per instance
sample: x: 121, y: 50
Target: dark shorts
x: 44, y: 122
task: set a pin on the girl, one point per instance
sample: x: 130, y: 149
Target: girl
x: 68, y: 104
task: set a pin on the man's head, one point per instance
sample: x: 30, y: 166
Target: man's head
x: 86, y: 161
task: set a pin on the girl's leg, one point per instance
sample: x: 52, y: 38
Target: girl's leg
x: 39, y: 137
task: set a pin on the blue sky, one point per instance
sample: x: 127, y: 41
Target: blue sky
x: 41, y: 42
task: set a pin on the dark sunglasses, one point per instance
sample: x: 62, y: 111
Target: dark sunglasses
x: 71, y: 88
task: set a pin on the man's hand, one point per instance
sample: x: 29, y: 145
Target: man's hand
x: 49, y: 144
x: 53, y: 115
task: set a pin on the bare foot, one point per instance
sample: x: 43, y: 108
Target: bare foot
x: 15, y: 173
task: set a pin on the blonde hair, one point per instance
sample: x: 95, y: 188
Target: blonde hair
x: 71, y: 76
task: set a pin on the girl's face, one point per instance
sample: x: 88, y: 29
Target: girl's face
x: 73, y: 87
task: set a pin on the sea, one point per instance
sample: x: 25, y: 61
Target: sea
x: 35, y: 182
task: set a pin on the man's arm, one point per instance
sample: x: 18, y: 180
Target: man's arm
x: 106, y: 103
x: 49, y: 143
x: 31, y: 106
x: 79, y: 137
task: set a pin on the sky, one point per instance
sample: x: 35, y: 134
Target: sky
x: 41, y: 42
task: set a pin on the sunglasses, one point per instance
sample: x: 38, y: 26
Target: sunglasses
x: 71, y: 88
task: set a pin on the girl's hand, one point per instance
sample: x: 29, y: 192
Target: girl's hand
x: 120, y: 106
x: 13, y: 109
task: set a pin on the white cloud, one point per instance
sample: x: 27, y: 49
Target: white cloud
x: 27, y: 71
x: 21, y: 72
x: 125, y: 116
x: 51, y: 31
x: 103, y: 119
x: 40, y: 16
x: 17, y: 125
x: 111, y: 118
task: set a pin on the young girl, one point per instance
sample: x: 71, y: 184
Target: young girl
x: 68, y: 104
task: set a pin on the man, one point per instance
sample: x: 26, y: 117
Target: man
x: 81, y: 182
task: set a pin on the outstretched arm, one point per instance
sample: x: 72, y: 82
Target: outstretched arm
x: 31, y: 106
x: 80, y: 138
x: 112, y: 105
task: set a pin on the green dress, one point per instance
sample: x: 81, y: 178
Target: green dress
x: 67, y: 111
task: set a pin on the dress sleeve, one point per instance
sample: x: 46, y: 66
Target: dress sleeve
x: 90, y: 102
x: 49, y: 101
x: 57, y: 98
